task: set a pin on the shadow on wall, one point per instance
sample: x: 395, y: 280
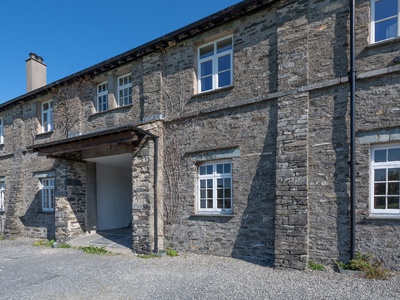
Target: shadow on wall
x: 38, y: 224
x: 256, y: 236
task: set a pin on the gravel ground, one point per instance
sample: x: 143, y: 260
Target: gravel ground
x: 28, y: 272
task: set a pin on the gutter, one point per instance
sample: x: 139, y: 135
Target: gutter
x: 353, y: 73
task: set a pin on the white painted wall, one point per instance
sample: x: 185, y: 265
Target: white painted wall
x: 114, y: 197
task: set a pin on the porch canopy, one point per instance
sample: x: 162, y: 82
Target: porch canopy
x: 130, y: 137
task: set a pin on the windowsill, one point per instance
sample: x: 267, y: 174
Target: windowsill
x: 212, y: 215
x: 44, y: 133
x: 384, y: 42
x: 104, y: 112
x: 46, y: 212
x: 383, y: 217
x: 214, y: 91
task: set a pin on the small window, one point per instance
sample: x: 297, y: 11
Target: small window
x: 47, y: 116
x: 125, y: 90
x: 1, y: 131
x: 47, y: 194
x: 215, y: 187
x: 385, y: 180
x: 102, y: 97
x: 384, y: 20
x: 215, y: 65
x: 2, y: 192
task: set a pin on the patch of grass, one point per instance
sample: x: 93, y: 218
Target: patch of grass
x: 372, y: 267
x: 172, y: 252
x: 63, y: 245
x: 315, y: 266
x: 1, y: 237
x: 148, y: 255
x: 47, y: 243
x: 94, y: 250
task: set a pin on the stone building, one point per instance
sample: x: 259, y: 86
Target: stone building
x: 230, y: 136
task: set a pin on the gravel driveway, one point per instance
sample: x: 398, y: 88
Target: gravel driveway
x: 28, y: 272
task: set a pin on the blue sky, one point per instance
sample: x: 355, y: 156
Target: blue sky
x: 73, y: 35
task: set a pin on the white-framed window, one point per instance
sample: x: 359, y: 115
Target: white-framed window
x: 385, y: 180
x: 384, y: 19
x: 47, y: 116
x: 214, y: 187
x: 47, y: 187
x: 1, y: 131
x: 215, y: 65
x: 2, y: 192
x: 124, y: 90
x: 102, y: 96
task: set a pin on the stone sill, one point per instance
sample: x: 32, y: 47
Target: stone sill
x: 111, y: 110
x: 383, y: 217
x: 384, y: 42
x: 213, y: 91
x: 45, y: 133
x: 46, y: 212
x: 212, y: 215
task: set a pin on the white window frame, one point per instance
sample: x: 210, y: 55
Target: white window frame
x: 2, y: 194
x: 126, y: 89
x: 213, y: 177
x: 47, y: 194
x: 1, y: 131
x: 102, y: 96
x: 214, y: 59
x: 374, y: 22
x: 382, y: 165
x: 47, y: 117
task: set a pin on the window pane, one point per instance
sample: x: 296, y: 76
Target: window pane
x: 220, y: 203
x: 202, y: 184
x: 380, y: 155
x: 209, y: 183
x: 227, y: 182
x: 202, y: 203
x: 385, y: 30
x: 206, y: 51
x: 209, y: 169
x: 228, y: 193
x: 394, y: 154
x: 224, y: 79
x: 393, y: 174
x: 224, y: 63
x: 380, y: 203
x: 393, y: 202
x: 224, y: 45
x: 209, y: 194
x: 220, y: 169
x: 220, y: 193
x: 380, y: 189
x: 380, y: 175
x: 210, y: 204
x: 206, y: 83
x: 202, y: 170
x: 202, y: 194
x: 206, y: 68
x: 228, y: 203
x: 220, y: 183
x: 385, y: 9
x: 393, y: 188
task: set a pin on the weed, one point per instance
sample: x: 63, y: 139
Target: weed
x: 315, y: 266
x: 372, y: 267
x: 172, y: 252
x: 94, y: 250
x: 1, y: 237
x: 62, y: 245
x: 47, y: 243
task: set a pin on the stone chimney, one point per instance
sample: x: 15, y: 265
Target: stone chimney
x: 35, y: 72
